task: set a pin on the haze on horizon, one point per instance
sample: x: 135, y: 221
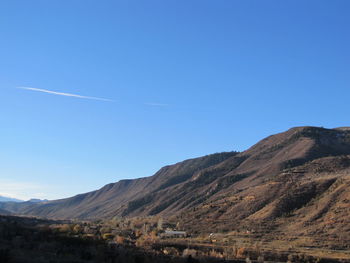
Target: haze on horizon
x: 95, y: 92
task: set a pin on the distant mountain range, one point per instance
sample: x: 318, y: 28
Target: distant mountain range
x: 9, y: 199
x: 297, y: 181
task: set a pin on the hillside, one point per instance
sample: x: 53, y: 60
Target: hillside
x: 294, y: 182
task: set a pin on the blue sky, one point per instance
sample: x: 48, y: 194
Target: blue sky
x: 165, y: 81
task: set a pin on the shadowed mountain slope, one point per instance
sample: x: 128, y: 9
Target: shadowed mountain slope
x: 286, y: 181
x: 4, y: 212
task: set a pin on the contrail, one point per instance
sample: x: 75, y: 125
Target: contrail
x: 64, y: 94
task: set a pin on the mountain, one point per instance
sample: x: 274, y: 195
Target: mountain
x: 109, y: 200
x: 294, y: 182
x: 9, y: 199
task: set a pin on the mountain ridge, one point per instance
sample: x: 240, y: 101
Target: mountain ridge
x: 107, y: 194
x: 9, y: 199
x: 285, y: 180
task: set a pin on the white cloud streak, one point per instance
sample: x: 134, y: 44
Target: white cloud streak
x: 151, y: 104
x: 156, y: 104
x: 64, y: 94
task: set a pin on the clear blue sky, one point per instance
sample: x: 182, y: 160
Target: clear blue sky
x: 184, y: 78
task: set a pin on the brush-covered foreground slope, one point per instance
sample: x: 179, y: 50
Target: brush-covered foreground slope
x: 298, y: 181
